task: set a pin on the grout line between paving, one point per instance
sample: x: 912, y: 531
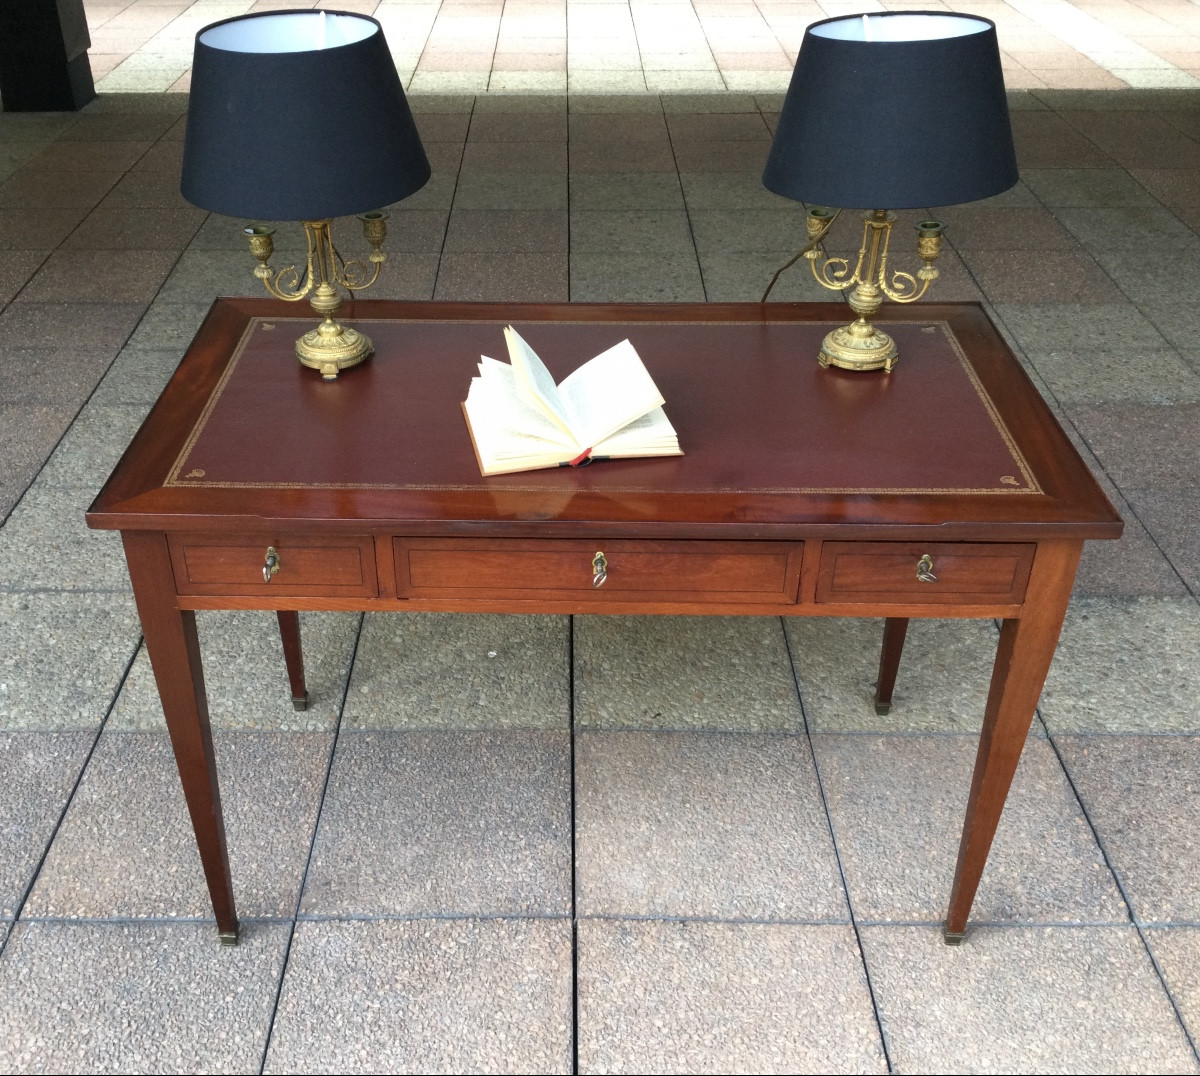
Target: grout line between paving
x: 312, y: 844
x: 17, y: 911
x: 880, y: 1024
x: 1133, y: 918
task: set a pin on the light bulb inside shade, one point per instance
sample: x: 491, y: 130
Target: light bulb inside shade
x: 293, y: 31
x: 899, y: 26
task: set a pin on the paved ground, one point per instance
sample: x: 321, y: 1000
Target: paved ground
x: 527, y: 844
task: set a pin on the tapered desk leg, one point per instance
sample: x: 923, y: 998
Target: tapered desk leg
x: 174, y: 651
x: 895, y: 628
x: 1022, y: 661
x: 293, y: 656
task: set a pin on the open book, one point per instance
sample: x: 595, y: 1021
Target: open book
x: 520, y: 420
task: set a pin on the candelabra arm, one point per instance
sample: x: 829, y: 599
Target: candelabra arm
x: 286, y: 283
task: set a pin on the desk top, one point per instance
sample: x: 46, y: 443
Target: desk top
x: 955, y: 437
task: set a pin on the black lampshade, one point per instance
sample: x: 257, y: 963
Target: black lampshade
x: 298, y: 116
x: 897, y: 110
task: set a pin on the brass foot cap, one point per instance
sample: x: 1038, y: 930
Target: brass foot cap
x: 300, y: 702
x: 229, y: 937
x: 883, y: 708
x: 952, y: 938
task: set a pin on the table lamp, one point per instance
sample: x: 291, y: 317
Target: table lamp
x: 301, y: 116
x: 897, y: 110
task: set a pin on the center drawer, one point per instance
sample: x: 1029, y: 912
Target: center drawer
x: 598, y: 570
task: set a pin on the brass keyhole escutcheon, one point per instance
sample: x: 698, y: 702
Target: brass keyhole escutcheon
x: 271, y: 564
x: 599, y: 569
x: 925, y: 569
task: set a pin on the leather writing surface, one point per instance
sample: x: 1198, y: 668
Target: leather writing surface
x: 753, y: 409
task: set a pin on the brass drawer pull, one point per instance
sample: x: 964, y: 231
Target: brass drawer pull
x: 925, y: 569
x: 271, y: 564
x: 599, y: 569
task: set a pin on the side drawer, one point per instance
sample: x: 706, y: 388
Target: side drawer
x: 568, y: 568
x: 337, y: 567
x: 963, y: 573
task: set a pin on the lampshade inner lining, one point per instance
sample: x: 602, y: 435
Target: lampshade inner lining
x: 299, y: 31
x: 900, y: 26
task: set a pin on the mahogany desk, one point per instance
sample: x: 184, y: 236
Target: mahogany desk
x: 945, y: 489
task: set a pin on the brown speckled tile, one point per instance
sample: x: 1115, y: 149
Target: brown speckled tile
x: 1144, y: 446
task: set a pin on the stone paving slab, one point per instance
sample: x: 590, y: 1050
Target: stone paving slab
x: 126, y: 847
x: 680, y: 672
x: 37, y: 772
x: 444, y: 823
x: 1023, y: 999
x: 137, y: 997
x: 426, y: 995
x: 62, y: 657
x: 837, y: 664
x: 1142, y: 794
x: 702, y: 825
x: 245, y: 677
x: 460, y: 671
x: 723, y: 997
x: 897, y: 805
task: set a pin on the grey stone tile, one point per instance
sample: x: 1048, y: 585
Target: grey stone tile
x: 502, y: 278
x: 1063, y: 276
x: 46, y: 545
x: 68, y: 325
x: 89, y: 451
x: 54, y: 375
x: 1089, y: 375
x: 635, y: 231
x: 117, y: 225
x: 503, y: 190
x: 541, y: 126
x: 1126, y: 665
x: 504, y: 231
x: 426, y: 996
x: 1129, y: 227
x: 96, y: 156
x: 731, y: 191
x: 1090, y: 187
x: 1170, y: 516
x: 28, y: 434
x: 1005, y: 228
x: 622, y: 103
x: 616, y: 154
x: 1141, y: 795
x: 496, y: 103
x: 1143, y: 445
x: 33, y: 187
x: 659, y: 673
x: 648, y: 126
x: 702, y: 825
x: 16, y: 267
x: 245, y: 676
x: 635, y: 278
x: 612, y: 191
x: 150, y: 190
x: 146, y: 997
x: 445, y: 823
x: 456, y: 671
x: 721, y: 231
x: 941, y: 687
x: 119, y: 126
x: 723, y: 997
x: 897, y: 804
x: 1023, y: 999
x: 62, y: 657
x: 1177, y: 951
x: 1074, y: 327
x: 37, y: 229
x: 137, y: 375
x: 743, y: 277
x: 202, y: 275
x: 1132, y: 566
x: 521, y: 156
x: 127, y: 849
x: 170, y: 325
x: 37, y: 772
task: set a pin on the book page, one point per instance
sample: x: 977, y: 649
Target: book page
x: 608, y: 392
x: 534, y: 379
x: 652, y: 434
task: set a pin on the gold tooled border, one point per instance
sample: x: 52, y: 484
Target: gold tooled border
x: 174, y: 480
